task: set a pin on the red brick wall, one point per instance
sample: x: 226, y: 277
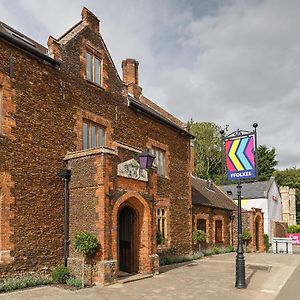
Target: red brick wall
x: 211, y: 215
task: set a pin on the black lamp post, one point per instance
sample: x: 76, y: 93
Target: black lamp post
x: 240, y: 282
x: 66, y: 175
x: 231, y: 218
x: 146, y: 159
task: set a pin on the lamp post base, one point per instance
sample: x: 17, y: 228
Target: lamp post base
x: 240, y: 282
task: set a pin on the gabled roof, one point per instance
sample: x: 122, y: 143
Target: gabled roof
x: 250, y: 190
x: 25, y: 43
x: 162, y: 112
x: 210, y: 196
x: 147, y: 109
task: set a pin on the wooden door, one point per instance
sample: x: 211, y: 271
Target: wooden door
x: 127, y: 240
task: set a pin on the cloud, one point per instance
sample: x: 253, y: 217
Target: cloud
x: 230, y: 62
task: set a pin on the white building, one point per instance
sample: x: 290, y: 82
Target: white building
x: 264, y: 195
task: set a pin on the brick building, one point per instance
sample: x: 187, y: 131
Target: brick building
x: 65, y: 106
x: 211, y: 213
x: 215, y: 213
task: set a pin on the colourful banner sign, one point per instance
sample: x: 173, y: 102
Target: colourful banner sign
x: 295, y: 238
x: 240, y: 161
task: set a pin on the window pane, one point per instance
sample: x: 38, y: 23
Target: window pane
x: 89, y: 66
x: 93, y: 137
x: 100, y: 136
x: 163, y: 228
x: 97, y: 71
x: 85, y: 136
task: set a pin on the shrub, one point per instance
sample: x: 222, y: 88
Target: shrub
x: 230, y: 248
x: 294, y: 229
x: 266, y: 242
x: 60, y: 274
x: 74, y: 282
x: 246, y: 238
x: 199, y: 236
x: 21, y: 283
x: 215, y: 250
x: 207, y: 252
x: 85, y: 242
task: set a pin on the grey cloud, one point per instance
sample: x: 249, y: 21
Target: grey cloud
x: 231, y: 62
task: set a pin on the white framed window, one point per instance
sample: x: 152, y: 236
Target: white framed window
x: 93, y: 68
x: 161, y: 219
x: 93, y: 135
x: 159, y: 160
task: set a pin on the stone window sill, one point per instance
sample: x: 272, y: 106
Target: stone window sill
x: 95, y: 84
x: 90, y: 152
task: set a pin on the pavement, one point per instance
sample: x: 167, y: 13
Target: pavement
x: 268, y: 277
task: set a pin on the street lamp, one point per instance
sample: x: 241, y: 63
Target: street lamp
x: 241, y: 157
x: 146, y: 159
x: 66, y: 175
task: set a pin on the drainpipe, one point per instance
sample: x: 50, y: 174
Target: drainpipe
x: 66, y: 175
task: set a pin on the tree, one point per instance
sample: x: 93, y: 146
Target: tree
x: 207, y: 145
x: 290, y: 177
x: 266, y: 162
x: 87, y: 244
x: 199, y: 236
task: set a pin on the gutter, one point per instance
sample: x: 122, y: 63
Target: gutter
x: 139, y: 107
x: 29, y: 49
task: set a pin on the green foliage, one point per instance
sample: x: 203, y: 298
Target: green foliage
x: 266, y: 162
x: 215, y: 250
x: 207, y: 145
x: 266, y: 242
x: 22, y: 283
x: 159, y: 238
x: 60, y: 274
x: 85, y: 242
x: 291, y: 178
x: 199, y: 236
x: 207, y: 252
x: 74, y: 282
x: 168, y: 260
x: 246, y: 236
x: 230, y: 248
x: 294, y: 229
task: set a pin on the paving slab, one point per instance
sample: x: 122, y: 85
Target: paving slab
x: 209, y: 278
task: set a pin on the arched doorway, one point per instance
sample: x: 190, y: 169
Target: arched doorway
x: 257, y: 234
x: 127, y: 240
x: 258, y: 230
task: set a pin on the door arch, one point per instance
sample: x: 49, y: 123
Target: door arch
x: 143, y: 228
x: 127, y: 239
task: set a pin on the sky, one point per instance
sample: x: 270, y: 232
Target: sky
x: 233, y: 62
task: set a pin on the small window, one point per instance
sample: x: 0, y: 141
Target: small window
x: 93, y: 135
x: 93, y: 68
x: 161, y: 218
x: 201, y: 224
x: 218, y: 231
x: 159, y: 160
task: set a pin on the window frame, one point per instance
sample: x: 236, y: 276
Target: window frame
x: 159, y: 161
x: 93, y: 69
x: 98, y: 128
x: 161, y: 222
x: 201, y: 227
x: 218, y: 231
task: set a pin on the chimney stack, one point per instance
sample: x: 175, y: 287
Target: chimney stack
x: 131, y: 76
